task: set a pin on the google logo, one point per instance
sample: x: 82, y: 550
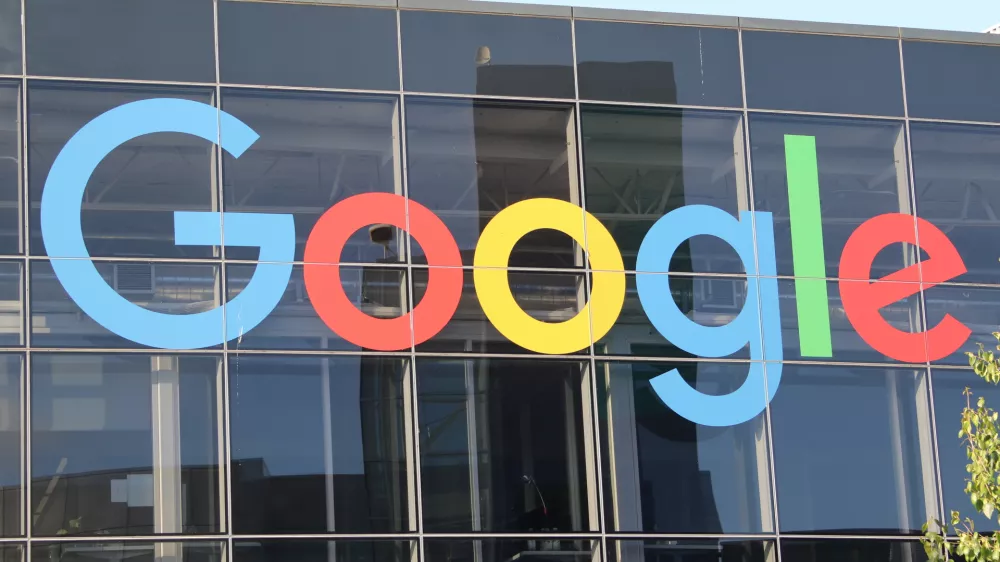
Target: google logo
x: 751, y: 236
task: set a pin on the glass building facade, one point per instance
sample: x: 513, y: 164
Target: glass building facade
x: 291, y: 442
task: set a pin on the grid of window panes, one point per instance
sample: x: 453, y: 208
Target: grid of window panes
x: 290, y: 443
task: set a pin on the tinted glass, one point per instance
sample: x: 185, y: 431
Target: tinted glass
x: 314, y: 151
x: 132, y: 195
x: 670, y: 475
x: 862, y: 173
x: 10, y: 36
x: 866, y: 469
x: 549, y: 297
x: 487, y: 55
x: 136, y: 39
x: 658, y: 63
x: 501, y: 550
x: 332, y: 458
x: 502, y: 445
x: 11, y: 369
x: 952, y: 81
x: 956, y: 177
x: 132, y: 551
x: 56, y: 321
x: 11, y: 304
x: 642, y: 164
x: 299, y: 550
x: 690, y: 550
x: 856, y: 550
x: 125, y: 444
x: 293, y: 324
x: 824, y: 73
x: 11, y: 205
x: 470, y: 160
x: 978, y: 308
x: 302, y: 45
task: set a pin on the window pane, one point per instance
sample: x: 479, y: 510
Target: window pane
x: 865, y: 469
x: 132, y: 551
x: 10, y: 36
x: 125, y: 444
x: 136, y: 39
x: 323, y: 551
x: 502, y: 445
x: 487, y: 54
x: 658, y: 63
x: 856, y: 550
x: 314, y: 151
x: 956, y: 175
x: 862, y: 174
x: 332, y: 456
x: 549, y: 297
x: 827, y: 73
x: 56, y: 321
x: 469, y: 160
x: 302, y: 45
x: 11, y: 371
x: 976, y: 307
x: 11, y: 206
x: 293, y: 324
x: 642, y: 164
x: 669, y: 475
x: 691, y: 550
x: 131, y: 197
x: 952, y: 81
x: 11, y: 304
x: 502, y: 550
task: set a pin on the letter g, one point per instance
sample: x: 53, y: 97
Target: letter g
x: 63, y: 236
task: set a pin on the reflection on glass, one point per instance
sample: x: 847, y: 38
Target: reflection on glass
x: 129, y: 203
x: 170, y: 288
x: 10, y: 36
x: 949, y: 401
x: 342, y: 550
x: 11, y: 221
x: 293, y: 324
x: 976, y: 307
x: 658, y: 63
x: 855, y: 550
x: 549, y: 297
x: 503, y: 446
x: 11, y: 304
x: 125, y: 444
x: 11, y: 370
x: 314, y: 151
x: 665, y: 474
x: 642, y: 164
x: 470, y: 160
x: 302, y: 45
x: 862, y: 174
x: 137, y: 39
x: 132, y: 551
x: 956, y: 176
x: 709, y: 301
x: 318, y: 444
x: 866, y: 468
x: 952, y: 80
x: 825, y: 73
x: 503, y: 550
x: 691, y: 550
x: 487, y: 54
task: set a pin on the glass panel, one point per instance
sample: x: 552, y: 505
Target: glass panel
x: 978, y: 308
x: 10, y: 36
x: 301, y: 45
x: 469, y: 160
x: 130, y: 200
x: 11, y: 553
x: 56, y: 321
x: 11, y: 304
x: 855, y: 550
x: 642, y: 163
x: 549, y: 297
x: 377, y: 291
x: 125, y: 444
x: 330, y: 457
x: 137, y: 39
x: 314, y: 151
x: 956, y: 175
x: 11, y: 458
x: 866, y: 469
x: 132, y: 551
x: 11, y: 206
x: 709, y: 301
x: 862, y: 174
x: 665, y: 474
x: 691, y: 550
x: 323, y: 551
x: 487, y: 54
x: 502, y: 550
x: 827, y: 73
x: 952, y: 81
x: 658, y: 63
x: 502, y: 445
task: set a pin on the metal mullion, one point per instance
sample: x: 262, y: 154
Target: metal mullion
x: 25, y: 395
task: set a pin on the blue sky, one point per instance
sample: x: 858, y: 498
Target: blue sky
x: 960, y: 15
